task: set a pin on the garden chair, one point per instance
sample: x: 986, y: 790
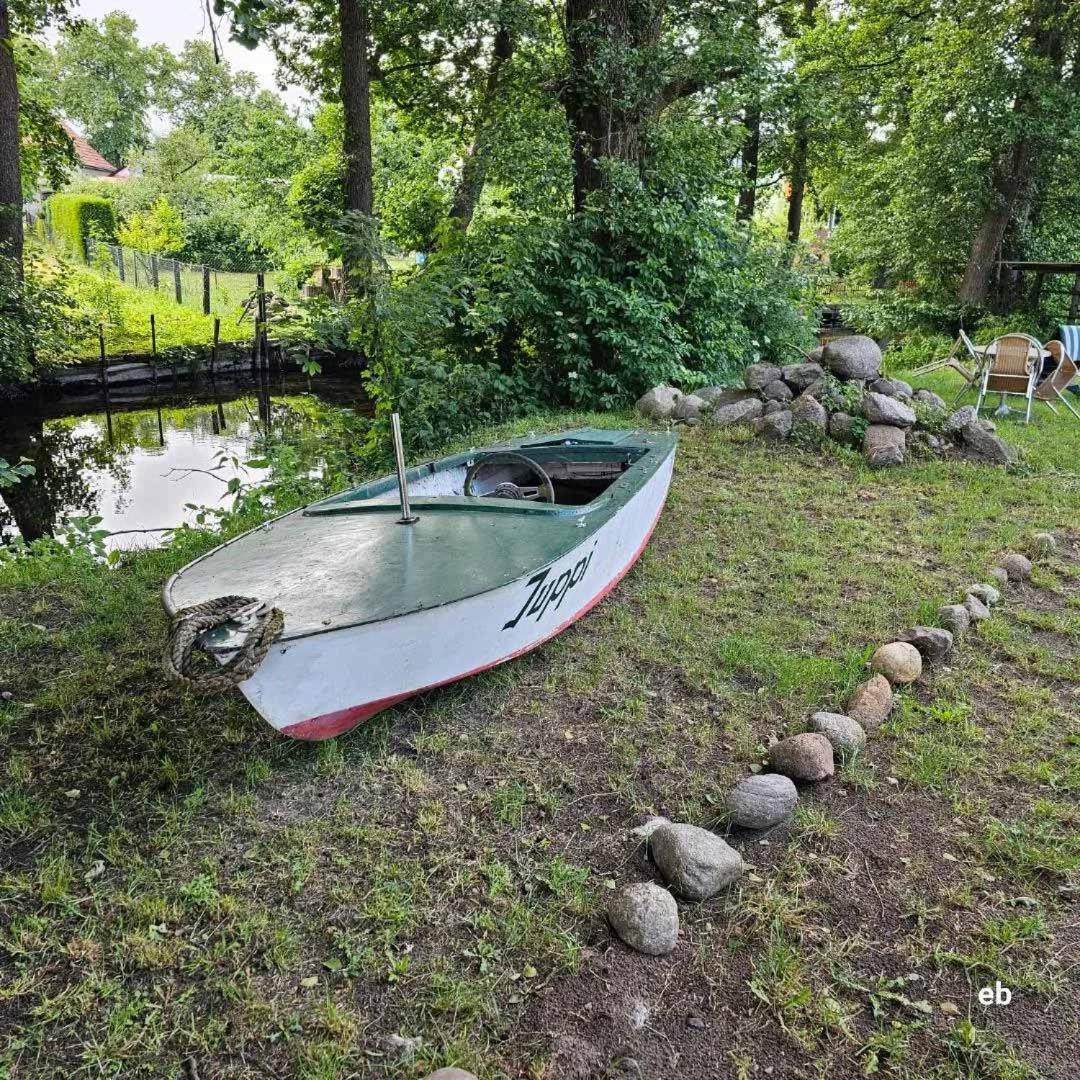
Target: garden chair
x: 1013, y: 363
x: 961, y: 345
x: 1053, y: 386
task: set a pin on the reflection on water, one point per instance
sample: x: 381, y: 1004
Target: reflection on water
x: 158, y: 464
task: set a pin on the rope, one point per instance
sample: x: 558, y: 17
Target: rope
x: 191, y: 623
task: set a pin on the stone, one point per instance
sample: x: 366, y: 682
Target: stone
x: 925, y: 442
x: 928, y: 397
x: 738, y: 412
x: 1044, y: 543
x: 899, y: 661
x: 801, y: 376
x: 934, y: 643
x: 646, y: 918
x: 854, y: 357
x: 452, y: 1073
x: 884, y: 445
x: 892, y: 388
x: 955, y: 618
x: 774, y: 407
x: 957, y: 421
x: 1017, y: 566
x: 808, y: 756
x: 696, y: 863
x: 846, y: 735
x: 842, y: 428
x: 809, y: 412
x: 723, y: 395
x: 758, y: 376
x: 987, y: 445
x: 871, y: 702
x: 990, y: 596
x: 814, y: 355
x: 688, y: 407
x: 777, y: 426
x: 659, y: 402
x: 978, y: 611
x: 1000, y: 575
x: 777, y: 391
x: 762, y: 801
x: 879, y: 409
x: 987, y: 424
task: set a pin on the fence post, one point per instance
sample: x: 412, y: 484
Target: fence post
x: 177, y: 287
x: 120, y: 262
x: 154, y: 271
x: 206, y: 290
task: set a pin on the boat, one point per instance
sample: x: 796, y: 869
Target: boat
x: 415, y: 581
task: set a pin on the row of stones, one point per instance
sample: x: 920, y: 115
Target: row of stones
x: 696, y: 864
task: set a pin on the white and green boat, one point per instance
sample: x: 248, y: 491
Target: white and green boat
x: 501, y: 549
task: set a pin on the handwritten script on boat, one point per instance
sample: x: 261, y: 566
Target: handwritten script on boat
x: 546, y: 593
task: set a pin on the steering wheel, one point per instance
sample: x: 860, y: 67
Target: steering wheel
x: 544, y: 491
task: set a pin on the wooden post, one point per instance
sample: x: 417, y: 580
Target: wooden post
x: 206, y: 290
x: 177, y: 287
x: 154, y: 271
x: 1036, y: 292
x: 120, y: 262
x: 135, y: 266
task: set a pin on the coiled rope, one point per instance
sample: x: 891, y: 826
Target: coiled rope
x: 264, y: 626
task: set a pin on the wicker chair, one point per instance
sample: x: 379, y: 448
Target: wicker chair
x: 1013, y: 365
x: 1052, y: 388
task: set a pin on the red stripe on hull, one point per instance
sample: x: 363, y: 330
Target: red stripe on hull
x: 334, y: 723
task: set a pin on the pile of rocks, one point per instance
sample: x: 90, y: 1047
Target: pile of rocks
x: 837, y: 393
x: 696, y: 864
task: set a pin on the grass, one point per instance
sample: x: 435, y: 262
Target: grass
x: 180, y: 885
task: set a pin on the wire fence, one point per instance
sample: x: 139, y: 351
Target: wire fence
x: 194, y: 285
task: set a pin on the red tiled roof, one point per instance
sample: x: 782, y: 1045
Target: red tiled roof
x: 88, y: 157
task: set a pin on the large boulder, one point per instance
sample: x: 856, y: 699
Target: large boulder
x: 884, y: 445
x: 777, y: 391
x: 696, y: 863
x: 808, y: 412
x: 646, y: 917
x: 659, y: 402
x: 762, y: 801
x: 738, y: 412
x: 957, y: 421
x: 893, y: 388
x: 758, y: 376
x: 855, y: 357
x: 723, y: 395
x: 777, y: 425
x: 879, y: 409
x: 801, y: 376
x: 842, y: 428
x: 871, y: 702
x: 689, y: 407
x: 846, y: 735
x: 803, y: 757
x: 987, y: 445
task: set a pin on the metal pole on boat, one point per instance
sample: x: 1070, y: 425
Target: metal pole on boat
x: 402, y: 483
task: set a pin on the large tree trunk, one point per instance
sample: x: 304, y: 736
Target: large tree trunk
x: 1011, y: 181
x: 11, y: 229
x: 606, y: 118
x: 474, y: 166
x: 751, y: 149
x: 356, y: 104
x: 798, y: 173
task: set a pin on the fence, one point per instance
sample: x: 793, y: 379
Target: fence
x: 202, y: 288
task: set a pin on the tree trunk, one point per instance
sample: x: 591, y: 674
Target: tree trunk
x: 605, y: 117
x: 11, y: 228
x: 751, y: 149
x: 798, y: 173
x: 474, y: 166
x: 1013, y: 174
x: 356, y: 104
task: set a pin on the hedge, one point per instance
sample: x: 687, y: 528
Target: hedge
x: 75, y: 217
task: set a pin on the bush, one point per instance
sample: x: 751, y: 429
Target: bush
x: 75, y: 218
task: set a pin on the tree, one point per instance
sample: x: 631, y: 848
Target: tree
x: 107, y: 83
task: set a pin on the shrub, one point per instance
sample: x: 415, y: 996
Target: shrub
x: 76, y: 218
x: 157, y: 231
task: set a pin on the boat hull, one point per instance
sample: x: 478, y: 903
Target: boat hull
x: 321, y: 685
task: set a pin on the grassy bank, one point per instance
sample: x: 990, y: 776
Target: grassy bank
x: 181, y: 886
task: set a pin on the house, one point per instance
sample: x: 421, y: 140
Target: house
x: 89, y: 165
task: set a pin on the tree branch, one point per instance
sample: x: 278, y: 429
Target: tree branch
x: 684, y: 87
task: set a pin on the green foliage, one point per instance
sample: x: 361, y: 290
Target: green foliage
x: 10, y: 474
x: 75, y: 218
x: 157, y: 231
x: 839, y: 396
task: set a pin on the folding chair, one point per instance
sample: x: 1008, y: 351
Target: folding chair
x: 961, y: 344
x: 1054, y: 385
x: 1013, y: 365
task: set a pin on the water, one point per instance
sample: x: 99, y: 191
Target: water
x: 146, y: 464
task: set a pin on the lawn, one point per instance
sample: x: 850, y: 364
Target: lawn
x: 183, y: 890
